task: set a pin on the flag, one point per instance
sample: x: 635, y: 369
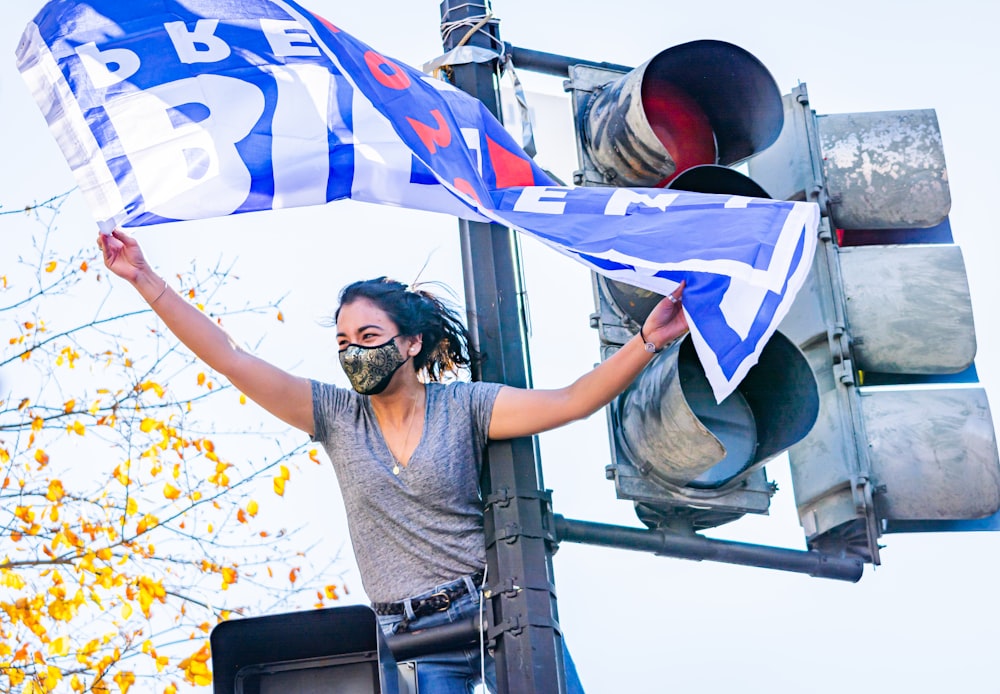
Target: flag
x: 173, y: 110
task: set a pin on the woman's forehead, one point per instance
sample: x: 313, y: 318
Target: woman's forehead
x: 362, y: 313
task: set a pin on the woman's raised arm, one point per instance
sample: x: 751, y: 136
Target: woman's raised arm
x: 525, y: 412
x: 286, y: 396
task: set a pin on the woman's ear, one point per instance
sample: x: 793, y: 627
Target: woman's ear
x: 415, y: 346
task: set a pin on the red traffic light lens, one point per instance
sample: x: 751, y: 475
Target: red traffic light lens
x: 680, y: 124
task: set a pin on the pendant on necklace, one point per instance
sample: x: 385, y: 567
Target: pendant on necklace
x: 395, y: 469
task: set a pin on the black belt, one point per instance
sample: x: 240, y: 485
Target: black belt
x: 435, y: 602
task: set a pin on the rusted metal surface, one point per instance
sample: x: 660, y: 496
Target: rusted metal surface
x: 884, y: 170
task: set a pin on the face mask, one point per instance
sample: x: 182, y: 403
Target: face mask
x: 371, y: 368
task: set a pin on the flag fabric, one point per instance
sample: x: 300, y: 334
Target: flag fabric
x: 173, y: 110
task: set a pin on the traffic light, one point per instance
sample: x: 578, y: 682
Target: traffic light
x: 332, y: 650
x: 905, y: 439
x: 703, y: 102
x: 679, y: 121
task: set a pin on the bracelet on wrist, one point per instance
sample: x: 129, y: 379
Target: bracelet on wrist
x: 650, y: 347
x: 162, y: 292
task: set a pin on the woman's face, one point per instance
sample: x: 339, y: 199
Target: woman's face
x: 362, y: 322
x: 371, y: 350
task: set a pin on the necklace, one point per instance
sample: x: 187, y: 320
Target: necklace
x: 406, y: 441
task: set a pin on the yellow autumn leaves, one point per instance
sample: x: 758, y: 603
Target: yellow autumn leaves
x: 284, y: 475
x: 56, y: 491
x: 279, y: 481
x: 129, y: 529
x: 251, y: 511
x: 195, y: 667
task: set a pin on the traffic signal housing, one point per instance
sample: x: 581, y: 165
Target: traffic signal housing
x: 905, y: 439
x: 702, y: 102
x: 679, y: 121
x: 686, y: 459
x: 337, y: 649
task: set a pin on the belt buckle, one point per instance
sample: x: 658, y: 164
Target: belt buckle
x: 443, y: 595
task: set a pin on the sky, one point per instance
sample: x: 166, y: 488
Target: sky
x: 926, y: 620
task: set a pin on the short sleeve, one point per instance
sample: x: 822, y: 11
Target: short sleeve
x: 329, y: 403
x: 483, y: 396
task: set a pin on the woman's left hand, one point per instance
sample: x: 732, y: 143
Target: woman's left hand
x: 666, y: 322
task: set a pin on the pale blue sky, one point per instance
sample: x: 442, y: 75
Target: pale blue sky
x: 927, y: 620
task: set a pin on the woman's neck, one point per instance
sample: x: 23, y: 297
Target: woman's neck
x: 396, y: 403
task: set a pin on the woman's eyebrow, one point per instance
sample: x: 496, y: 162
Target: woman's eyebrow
x: 362, y: 329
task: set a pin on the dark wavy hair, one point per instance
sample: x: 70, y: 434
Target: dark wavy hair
x: 416, y: 311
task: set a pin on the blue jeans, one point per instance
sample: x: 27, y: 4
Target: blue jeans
x: 458, y: 672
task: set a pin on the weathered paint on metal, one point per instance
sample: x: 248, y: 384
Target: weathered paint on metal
x: 622, y: 143
x: 909, y: 310
x: 933, y: 454
x: 885, y: 170
x: 672, y: 428
x: 663, y: 435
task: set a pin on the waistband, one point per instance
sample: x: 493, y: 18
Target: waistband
x: 438, y: 600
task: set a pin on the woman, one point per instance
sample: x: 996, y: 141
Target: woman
x: 407, y: 449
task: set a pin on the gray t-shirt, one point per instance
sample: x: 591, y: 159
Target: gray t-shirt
x: 424, y: 526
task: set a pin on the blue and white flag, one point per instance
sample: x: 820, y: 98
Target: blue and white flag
x: 185, y: 109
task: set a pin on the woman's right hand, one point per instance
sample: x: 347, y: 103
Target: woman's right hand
x: 123, y: 256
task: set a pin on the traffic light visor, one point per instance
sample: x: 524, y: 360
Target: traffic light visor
x: 703, y: 102
x: 669, y: 425
x: 735, y: 91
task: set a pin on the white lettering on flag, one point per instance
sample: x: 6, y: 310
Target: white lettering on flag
x: 470, y: 136
x: 288, y: 38
x: 200, y: 45
x: 108, y: 67
x: 185, y: 168
x: 300, y: 157
x: 540, y: 199
x: 622, y: 198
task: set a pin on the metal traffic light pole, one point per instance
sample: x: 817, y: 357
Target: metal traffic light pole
x: 523, y: 619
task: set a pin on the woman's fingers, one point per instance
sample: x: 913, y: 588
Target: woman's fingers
x: 124, y: 238
x: 112, y: 248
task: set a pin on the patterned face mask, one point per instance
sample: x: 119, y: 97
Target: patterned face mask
x: 371, y: 368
